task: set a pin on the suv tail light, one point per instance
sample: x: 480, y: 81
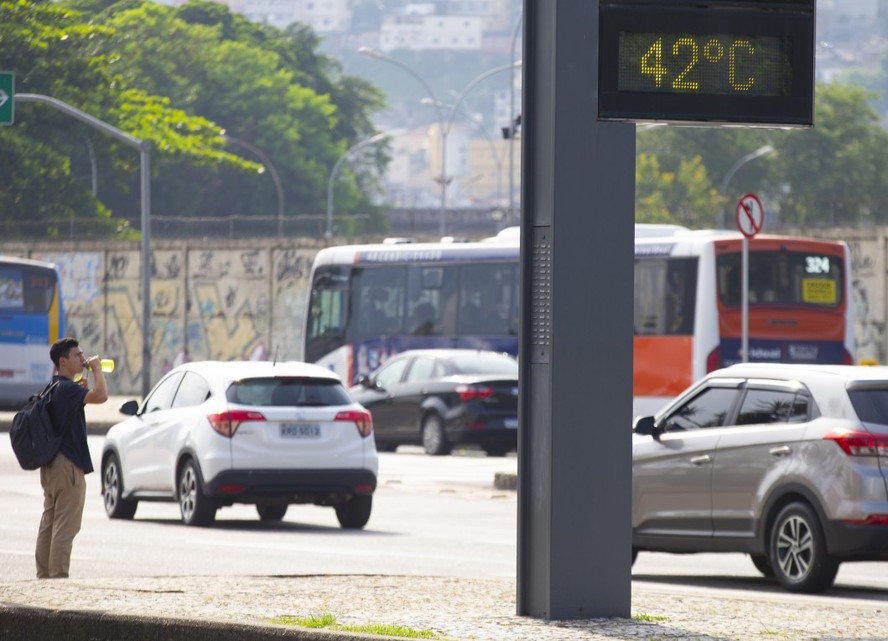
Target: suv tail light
x: 468, y: 392
x: 226, y: 423
x: 860, y: 443
x: 361, y: 418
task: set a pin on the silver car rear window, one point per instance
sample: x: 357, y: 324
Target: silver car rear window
x: 284, y: 392
x: 871, y: 405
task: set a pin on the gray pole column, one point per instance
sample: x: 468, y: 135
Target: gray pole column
x: 145, y: 152
x: 574, y: 467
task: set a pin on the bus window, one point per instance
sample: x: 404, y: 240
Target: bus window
x: 665, y: 291
x: 782, y: 278
x: 327, y: 314
x: 488, y: 300
x: 378, y: 300
x: 429, y: 292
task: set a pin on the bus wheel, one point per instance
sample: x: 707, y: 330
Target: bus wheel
x: 434, y: 440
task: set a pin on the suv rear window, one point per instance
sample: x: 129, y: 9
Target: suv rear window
x: 871, y: 405
x: 282, y: 392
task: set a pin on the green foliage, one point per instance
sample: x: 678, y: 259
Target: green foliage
x: 835, y: 173
x: 191, y: 80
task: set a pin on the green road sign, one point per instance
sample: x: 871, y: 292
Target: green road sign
x: 7, y: 95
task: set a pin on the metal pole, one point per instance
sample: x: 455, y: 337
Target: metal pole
x: 145, y: 152
x: 518, y: 24
x: 744, y: 302
x: 761, y: 151
x: 278, y: 187
x: 328, y: 233
x: 372, y: 53
x: 144, y: 148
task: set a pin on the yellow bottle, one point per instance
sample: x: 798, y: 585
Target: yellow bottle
x: 107, y: 365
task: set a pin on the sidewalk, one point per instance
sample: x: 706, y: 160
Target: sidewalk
x: 242, y: 608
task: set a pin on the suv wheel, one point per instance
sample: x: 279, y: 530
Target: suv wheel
x: 763, y: 564
x: 116, y: 507
x: 354, y: 513
x: 797, y: 549
x: 196, y: 509
x: 434, y: 440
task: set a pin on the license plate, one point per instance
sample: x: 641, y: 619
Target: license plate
x: 300, y: 430
x: 511, y: 423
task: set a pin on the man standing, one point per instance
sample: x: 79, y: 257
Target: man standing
x: 64, y: 485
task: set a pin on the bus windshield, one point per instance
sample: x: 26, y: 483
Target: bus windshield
x: 782, y: 278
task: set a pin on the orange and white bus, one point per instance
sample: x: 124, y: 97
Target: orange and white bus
x: 687, y: 303
x: 688, y: 306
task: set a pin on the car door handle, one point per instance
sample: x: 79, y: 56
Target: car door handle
x: 701, y: 460
x: 782, y: 450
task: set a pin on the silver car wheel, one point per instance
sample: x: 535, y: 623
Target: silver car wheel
x: 116, y: 507
x: 188, y: 493
x: 795, y: 548
x: 798, y: 550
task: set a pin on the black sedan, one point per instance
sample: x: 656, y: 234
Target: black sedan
x: 441, y: 398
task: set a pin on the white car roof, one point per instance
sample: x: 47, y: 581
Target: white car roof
x: 235, y: 370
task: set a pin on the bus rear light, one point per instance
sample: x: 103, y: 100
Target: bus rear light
x: 714, y: 360
x: 859, y: 443
x: 226, y: 423
x: 468, y: 392
x: 361, y: 418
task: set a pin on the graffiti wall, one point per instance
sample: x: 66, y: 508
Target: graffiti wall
x: 237, y: 300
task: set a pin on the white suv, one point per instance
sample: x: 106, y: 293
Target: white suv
x: 788, y: 463
x: 211, y: 434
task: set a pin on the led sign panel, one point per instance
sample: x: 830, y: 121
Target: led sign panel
x: 719, y: 63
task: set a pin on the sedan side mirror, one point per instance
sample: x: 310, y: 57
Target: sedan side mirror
x: 129, y: 408
x: 365, y: 381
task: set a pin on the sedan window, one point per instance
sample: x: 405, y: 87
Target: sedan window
x: 391, y: 373
x: 422, y: 370
x: 767, y: 406
x: 485, y: 364
x: 709, y: 408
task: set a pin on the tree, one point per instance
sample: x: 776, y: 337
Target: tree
x: 53, y: 52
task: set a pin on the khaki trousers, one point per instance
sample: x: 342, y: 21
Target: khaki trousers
x: 64, y: 493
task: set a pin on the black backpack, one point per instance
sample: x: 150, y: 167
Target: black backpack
x: 34, y: 438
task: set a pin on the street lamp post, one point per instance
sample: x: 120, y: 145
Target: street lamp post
x: 758, y: 153
x: 493, y: 151
x: 328, y: 233
x: 518, y: 25
x: 444, y: 124
x: 278, y: 187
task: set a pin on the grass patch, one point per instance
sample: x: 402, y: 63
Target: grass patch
x: 649, y: 618
x: 328, y: 621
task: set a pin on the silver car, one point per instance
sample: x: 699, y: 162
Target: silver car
x: 787, y: 463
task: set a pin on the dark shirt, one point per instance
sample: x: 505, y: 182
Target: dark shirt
x: 67, y: 416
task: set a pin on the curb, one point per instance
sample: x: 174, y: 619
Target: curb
x: 505, y: 481
x: 26, y: 624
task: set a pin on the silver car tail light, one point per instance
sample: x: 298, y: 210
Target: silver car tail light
x: 226, y: 423
x: 860, y: 443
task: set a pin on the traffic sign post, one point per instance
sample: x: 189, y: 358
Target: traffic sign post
x: 7, y: 97
x: 750, y: 219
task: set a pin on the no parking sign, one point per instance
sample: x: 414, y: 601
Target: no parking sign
x: 750, y: 215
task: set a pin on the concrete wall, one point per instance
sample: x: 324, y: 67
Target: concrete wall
x: 219, y: 300
x: 246, y: 299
